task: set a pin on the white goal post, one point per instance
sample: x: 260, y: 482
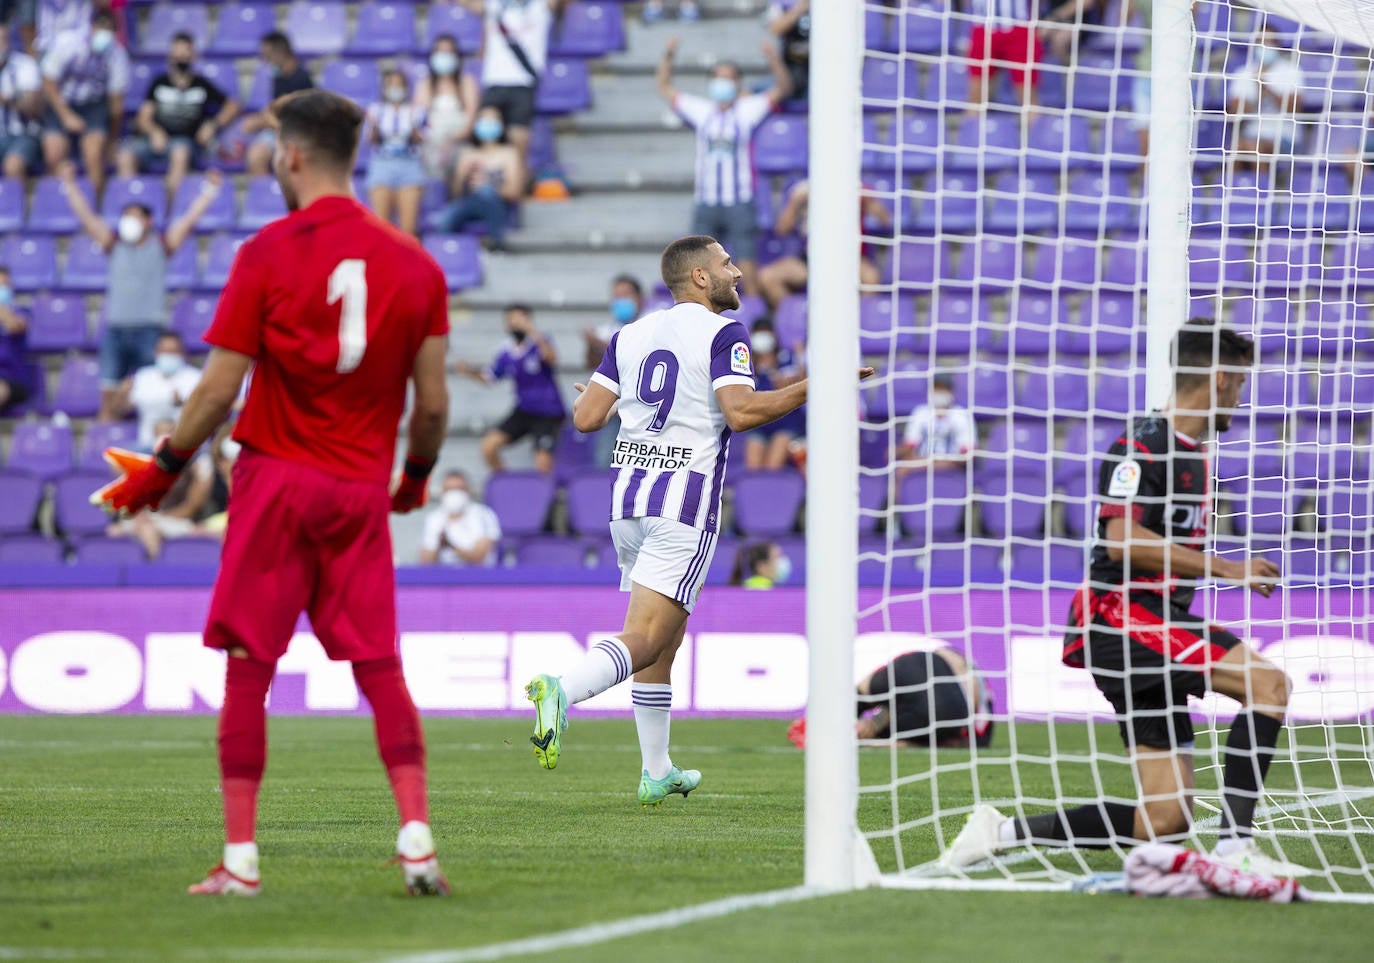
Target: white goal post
x: 1071, y: 288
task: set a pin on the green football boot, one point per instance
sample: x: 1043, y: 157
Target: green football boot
x: 551, y: 717
x: 679, y: 780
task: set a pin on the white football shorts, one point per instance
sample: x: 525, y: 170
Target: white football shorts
x: 664, y: 555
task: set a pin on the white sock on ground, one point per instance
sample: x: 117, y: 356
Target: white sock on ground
x: 606, y: 663
x: 415, y: 841
x: 241, y: 859
x: 1006, y: 831
x: 653, y: 704
x: 1230, y: 844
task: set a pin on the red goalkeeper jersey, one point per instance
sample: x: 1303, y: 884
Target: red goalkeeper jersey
x: 332, y: 304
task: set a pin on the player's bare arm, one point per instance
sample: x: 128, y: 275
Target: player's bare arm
x: 429, y: 415
x: 593, y: 408
x: 212, y: 399
x: 745, y: 409
x: 1145, y: 550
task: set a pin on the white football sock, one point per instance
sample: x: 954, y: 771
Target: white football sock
x: 1006, y: 831
x: 653, y: 704
x: 241, y: 859
x: 415, y: 841
x: 606, y: 663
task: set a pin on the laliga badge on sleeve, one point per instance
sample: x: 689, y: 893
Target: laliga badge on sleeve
x: 1125, y: 479
x: 739, y: 359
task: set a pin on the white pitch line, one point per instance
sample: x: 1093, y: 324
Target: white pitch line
x: 602, y: 932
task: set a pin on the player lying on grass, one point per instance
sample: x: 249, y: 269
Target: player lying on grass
x: 922, y: 698
x: 682, y: 381
x: 1131, y: 626
x: 334, y: 311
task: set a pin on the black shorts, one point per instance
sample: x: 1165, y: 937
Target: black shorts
x: 1147, y: 657
x: 927, y: 701
x: 542, y: 428
x: 515, y: 103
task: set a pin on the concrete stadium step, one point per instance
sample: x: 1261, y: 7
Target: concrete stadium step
x: 571, y: 280
x: 630, y: 103
x: 659, y: 161
x: 702, y: 44
x: 625, y: 221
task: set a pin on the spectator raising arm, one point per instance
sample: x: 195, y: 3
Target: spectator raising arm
x: 91, y: 222
x: 181, y: 228
x: 782, y: 79
x: 663, y: 75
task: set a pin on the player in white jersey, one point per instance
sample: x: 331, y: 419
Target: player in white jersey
x: 682, y: 381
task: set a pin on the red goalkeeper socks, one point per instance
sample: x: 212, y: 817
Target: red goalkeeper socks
x: 243, y: 744
x: 400, y: 741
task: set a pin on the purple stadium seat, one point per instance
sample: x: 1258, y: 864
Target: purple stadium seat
x: 887, y: 82
x: 767, y: 502
x: 927, y: 27
x: 1035, y: 316
x: 931, y: 504
x: 78, y: 388
x: 989, y: 391
x: 917, y: 263
x: 262, y: 203
x: 454, y: 19
x: 32, y: 261
x: 74, y: 514
x: 921, y: 137
x: 1017, y: 204
x: 953, y: 318
x: 1351, y: 387
x: 1069, y: 391
x: 1109, y: 325
x: 589, y: 501
x: 183, y: 267
x: 880, y: 151
x: 1346, y: 507
x: 259, y: 88
x: 565, y: 87
x: 944, y: 84
x: 219, y: 259
x: 872, y: 501
x: 191, y: 317
x: 191, y: 551
x: 521, y: 500
x: 458, y: 256
x: 780, y: 145
x: 167, y: 19
x: 383, y: 29
x: 317, y: 29
x: 220, y: 216
x: 30, y: 549
x: 1013, y: 497
x: 985, y: 143
x: 887, y: 325
x: 11, y: 204
x: 1124, y: 266
x: 123, y: 191
x: 1023, y: 437
x: 101, y: 435
x: 102, y: 550
x: 1288, y: 263
x: 1055, y: 561
x: 19, y: 498
x: 355, y: 79
x: 1120, y: 391
x: 751, y: 308
x: 1264, y: 509
x: 994, y: 263
x: 1097, y: 202
x: 57, y: 323
x: 880, y: 31
x: 551, y: 551
x: 789, y: 321
x: 87, y: 268
x: 1123, y: 144
x: 241, y: 26
x: 588, y: 30
x: 895, y: 393
x: 49, y: 212
x: 1052, y: 136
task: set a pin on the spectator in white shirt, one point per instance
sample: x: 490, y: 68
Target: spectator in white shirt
x: 515, y: 51
x: 461, y: 531
x: 725, y: 124
x: 159, y: 390
x: 939, y: 434
x: 21, y: 110
x: 85, y: 78
x: 1264, y: 96
x: 52, y: 19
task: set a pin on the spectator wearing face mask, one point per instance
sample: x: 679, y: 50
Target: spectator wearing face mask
x: 395, y: 174
x: 488, y: 182
x: 939, y: 434
x: 449, y: 99
x: 85, y: 77
x: 288, y: 77
x: 761, y: 566
x: 626, y: 305
x: 1264, y: 96
x: 21, y: 110
x: 136, y: 287
x: 770, y: 447
x: 461, y: 530
x: 159, y: 390
x: 16, y: 371
x: 725, y: 123
x: 530, y: 361
x: 179, y: 120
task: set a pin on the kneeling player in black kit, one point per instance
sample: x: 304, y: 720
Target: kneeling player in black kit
x: 1131, y: 626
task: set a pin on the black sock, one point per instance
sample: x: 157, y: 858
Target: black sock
x: 1249, y: 749
x: 1094, y: 826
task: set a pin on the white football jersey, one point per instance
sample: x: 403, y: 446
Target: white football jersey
x: 673, y: 441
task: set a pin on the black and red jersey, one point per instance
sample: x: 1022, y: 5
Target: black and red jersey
x: 1160, y: 478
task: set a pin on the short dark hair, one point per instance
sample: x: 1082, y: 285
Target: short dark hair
x: 748, y: 558
x: 519, y: 306
x: 142, y: 208
x: 181, y: 36
x: 325, y: 123
x: 1202, y: 344
x: 762, y: 324
x: 279, y: 42
x: 632, y: 282
x: 942, y: 379
x: 729, y: 65
x: 166, y: 333
x: 103, y: 18
x: 680, y: 257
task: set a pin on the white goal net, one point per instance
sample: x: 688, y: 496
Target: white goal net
x: 1035, y: 270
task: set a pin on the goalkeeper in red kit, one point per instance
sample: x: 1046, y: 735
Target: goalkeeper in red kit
x: 334, y: 311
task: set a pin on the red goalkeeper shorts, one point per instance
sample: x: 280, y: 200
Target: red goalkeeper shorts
x: 300, y: 540
x: 1018, y: 49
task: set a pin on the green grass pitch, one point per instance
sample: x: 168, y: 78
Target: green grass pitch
x: 104, y: 822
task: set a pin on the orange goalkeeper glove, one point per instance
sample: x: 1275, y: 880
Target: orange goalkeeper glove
x: 411, y: 490
x: 144, y: 480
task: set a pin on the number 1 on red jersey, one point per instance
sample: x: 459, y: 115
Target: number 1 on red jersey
x: 348, y: 283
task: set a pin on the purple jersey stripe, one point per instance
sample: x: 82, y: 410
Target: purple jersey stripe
x: 691, y: 498
x: 717, y: 480
x: 657, y: 493
x: 627, y: 503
